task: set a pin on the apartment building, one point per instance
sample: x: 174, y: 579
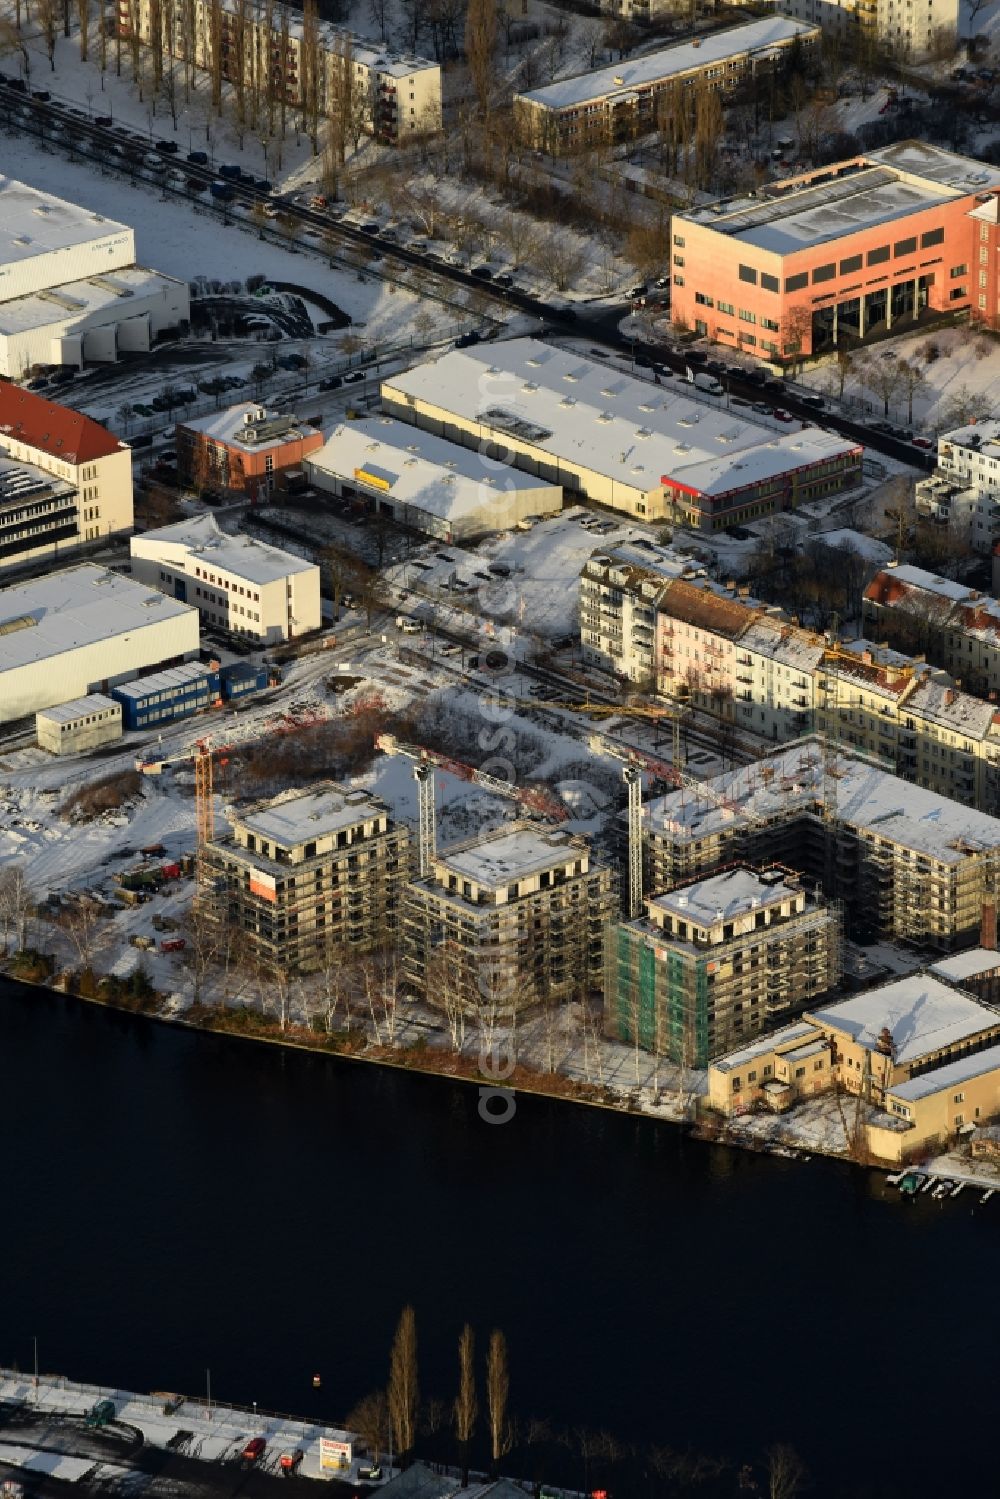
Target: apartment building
x: 618, y: 102
x: 880, y: 242
x: 775, y: 672
x: 964, y: 489
x: 243, y: 449
x: 64, y: 480
x: 507, y: 920
x: 619, y: 592
x: 956, y: 627
x: 906, y: 863
x: 908, y: 29
x: 716, y: 961
x: 237, y: 583
x: 266, y: 46
x: 310, y: 873
x: 659, y: 452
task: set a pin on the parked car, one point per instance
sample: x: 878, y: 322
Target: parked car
x: 254, y: 1450
x: 170, y: 147
x: 923, y: 442
x: 289, y: 1462
x: 780, y: 415
x: 332, y: 382
x: 198, y: 158
x: 408, y: 626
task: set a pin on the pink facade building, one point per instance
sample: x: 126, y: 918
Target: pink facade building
x: 840, y: 255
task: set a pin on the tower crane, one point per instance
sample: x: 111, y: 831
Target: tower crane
x: 202, y: 755
x: 425, y: 761
x: 672, y: 715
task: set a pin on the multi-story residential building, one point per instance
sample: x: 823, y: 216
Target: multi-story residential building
x: 510, y: 919
x: 908, y: 29
x: 67, y: 481
x: 697, y: 631
x: 834, y: 256
x: 310, y: 873
x: 243, y: 448
x: 70, y: 290
x: 906, y: 863
x: 775, y: 670
x: 954, y: 626
x: 268, y: 48
x: 619, y: 590
x: 716, y: 961
x: 660, y: 452
x: 964, y: 489
x: 619, y: 102
x: 237, y: 583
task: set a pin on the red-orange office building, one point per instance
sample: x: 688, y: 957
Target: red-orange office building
x: 838, y: 256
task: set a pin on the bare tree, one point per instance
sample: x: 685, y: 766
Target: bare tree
x: 497, y: 1393
x: 480, y: 45
x: 404, y: 1392
x: 559, y: 258
x: 466, y: 1403
x: 914, y: 382
x: 883, y: 378
x: 786, y: 1472
x: 370, y: 1419
x: 11, y: 41
x: 47, y: 14
x: 15, y: 904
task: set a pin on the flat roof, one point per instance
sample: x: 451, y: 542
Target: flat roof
x: 20, y: 481
x: 299, y: 816
x: 952, y: 1073
x: 879, y: 188
x: 797, y: 1031
x: 164, y: 681
x: 725, y: 474
x: 76, y: 607
x: 724, y: 896
x: 80, y: 707
x: 981, y: 437
x: 33, y: 223
x: 509, y: 854
x: 230, y: 426
x: 791, y: 780
x: 583, y: 413
x: 966, y: 965
x: 208, y: 545
x: 666, y: 62
x: 80, y: 298
x: 419, y: 468
x: 920, y: 1012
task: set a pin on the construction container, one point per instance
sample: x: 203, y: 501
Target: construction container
x: 166, y: 695
x: 240, y: 679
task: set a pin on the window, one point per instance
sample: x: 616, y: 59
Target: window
x: 958, y: 270
x: 727, y: 307
x: 751, y: 1077
x: 982, y: 278
x: 747, y: 273
x: 824, y: 272
x: 769, y: 322
x: 957, y: 295
x: 702, y: 300
x: 904, y: 247
x: 877, y: 257
x: 679, y: 241
x: 800, y: 1072
x: 932, y: 237
x: 746, y: 316
x: 769, y: 283
x: 959, y: 1098
x: 796, y: 283
x: 984, y: 256
x: 747, y: 338
x: 700, y: 327
x: 850, y: 264
x: 678, y: 280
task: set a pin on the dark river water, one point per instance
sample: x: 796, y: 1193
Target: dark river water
x: 173, y: 1202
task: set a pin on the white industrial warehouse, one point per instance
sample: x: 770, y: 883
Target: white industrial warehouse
x: 70, y: 290
x: 426, y: 482
x: 237, y: 583
x: 83, y: 630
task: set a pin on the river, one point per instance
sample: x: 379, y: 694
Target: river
x: 175, y: 1201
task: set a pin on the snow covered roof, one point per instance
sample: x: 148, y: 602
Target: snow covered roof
x: 788, y: 645
x: 300, y: 816
x: 763, y: 1045
x: 982, y: 437
x: 725, y: 896
x: 77, y: 606
x: 668, y: 62
x: 922, y: 1015
x: 250, y: 427
x: 580, y: 411
x: 791, y: 782
x: 80, y: 707
x: 726, y: 473
x: 63, y: 433
x: 419, y: 469
x: 206, y: 545
x: 520, y: 849
x: 935, y: 164
x: 162, y: 681
x: 33, y: 223
x: 939, y: 1079
x: 966, y: 965
x: 72, y: 299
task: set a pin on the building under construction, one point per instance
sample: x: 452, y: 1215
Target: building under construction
x: 507, y: 920
x: 717, y: 961
x: 906, y: 863
x: 311, y: 872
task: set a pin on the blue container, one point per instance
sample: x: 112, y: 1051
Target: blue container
x: 167, y: 695
x: 241, y: 679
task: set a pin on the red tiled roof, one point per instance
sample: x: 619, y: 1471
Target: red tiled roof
x: 53, y: 429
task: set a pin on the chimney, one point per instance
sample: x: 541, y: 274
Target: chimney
x: 949, y: 697
x: 988, y: 925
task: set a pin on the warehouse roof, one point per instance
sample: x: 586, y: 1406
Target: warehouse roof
x: 867, y: 797
x: 787, y: 1036
x: 725, y: 896
x: 418, y: 468
x: 300, y: 816
x: 966, y: 965
x: 79, y: 606
x: 511, y: 853
x: 36, y: 223
x: 580, y: 411
x: 57, y: 430
x: 727, y: 474
x: 948, y: 1076
x: 75, y: 299
x: 921, y: 1014
x: 80, y: 707
x: 207, y: 545
x: 668, y: 62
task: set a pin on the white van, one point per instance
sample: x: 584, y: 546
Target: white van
x: 408, y: 626
x: 708, y: 383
